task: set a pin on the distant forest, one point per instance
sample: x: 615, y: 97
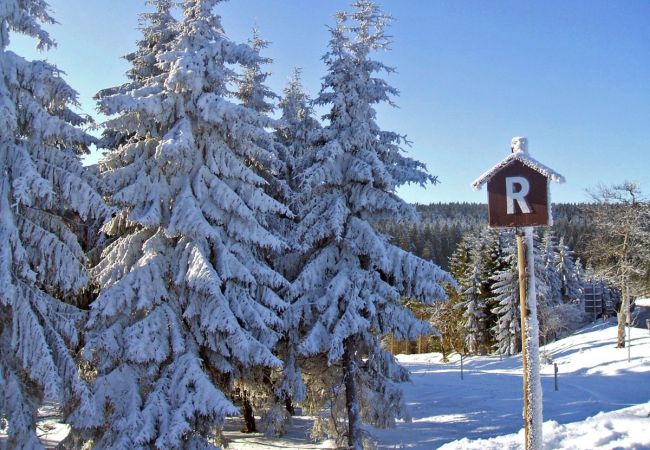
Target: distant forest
x: 442, y: 226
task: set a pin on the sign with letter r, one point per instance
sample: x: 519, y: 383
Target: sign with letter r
x: 518, y: 197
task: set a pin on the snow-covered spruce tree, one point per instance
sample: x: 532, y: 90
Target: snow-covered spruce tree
x: 158, y: 29
x: 467, y: 264
x: 45, y: 194
x: 548, y: 250
x: 188, y: 302
x: 253, y: 92
x: 570, y: 274
x: 348, y: 293
x: 507, y: 331
x: 493, y: 263
x: 296, y: 133
x: 474, y: 295
x: 256, y: 388
x: 547, y: 285
x: 545, y: 273
x: 473, y: 313
x: 460, y: 259
x: 568, y: 313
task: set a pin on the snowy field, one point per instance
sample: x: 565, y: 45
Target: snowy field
x: 593, y: 377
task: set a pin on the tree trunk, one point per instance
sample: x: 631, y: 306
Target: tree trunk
x: 351, y: 398
x: 288, y: 404
x: 620, y: 339
x: 249, y: 418
x: 623, y: 310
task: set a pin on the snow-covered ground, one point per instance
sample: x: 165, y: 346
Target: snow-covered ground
x: 622, y: 429
x: 483, y: 410
x: 593, y: 377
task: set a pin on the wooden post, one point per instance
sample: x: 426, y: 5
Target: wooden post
x: 523, y: 308
x: 529, y: 340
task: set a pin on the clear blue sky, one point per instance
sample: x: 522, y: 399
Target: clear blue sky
x: 571, y: 75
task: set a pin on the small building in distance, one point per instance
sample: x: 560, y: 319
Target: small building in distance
x: 600, y: 298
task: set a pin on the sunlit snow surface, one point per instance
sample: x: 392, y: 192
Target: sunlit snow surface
x: 593, y: 377
x: 622, y: 429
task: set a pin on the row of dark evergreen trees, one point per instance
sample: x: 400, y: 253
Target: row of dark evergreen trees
x: 442, y: 225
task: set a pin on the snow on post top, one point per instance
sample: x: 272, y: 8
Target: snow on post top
x: 519, y: 144
x: 519, y: 147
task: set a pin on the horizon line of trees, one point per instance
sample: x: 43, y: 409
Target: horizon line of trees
x: 441, y: 226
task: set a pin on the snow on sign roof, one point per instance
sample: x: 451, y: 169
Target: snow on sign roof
x: 519, y: 153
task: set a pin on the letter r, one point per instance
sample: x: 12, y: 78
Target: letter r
x: 519, y: 196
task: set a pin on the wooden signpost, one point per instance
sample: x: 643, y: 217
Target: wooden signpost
x: 518, y: 198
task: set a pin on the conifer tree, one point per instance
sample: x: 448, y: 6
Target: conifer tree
x: 570, y: 274
x: 296, y: 133
x: 466, y: 263
x: 256, y: 388
x: 460, y: 259
x: 473, y: 313
x: 547, y: 284
x: 548, y: 250
x: 45, y: 195
x: 253, y: 92
x: 493, y: 257
x: 158, y: 31
x: 507, y: 331
x: 348, y: 293
x: 567, y: 313
x: 188, y: 301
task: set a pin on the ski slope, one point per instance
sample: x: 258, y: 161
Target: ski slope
x: 593, y: 377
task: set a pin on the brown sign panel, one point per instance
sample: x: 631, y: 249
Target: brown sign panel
x: 518, y: 197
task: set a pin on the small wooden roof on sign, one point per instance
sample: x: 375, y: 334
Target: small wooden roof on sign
x: 519, y: 153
